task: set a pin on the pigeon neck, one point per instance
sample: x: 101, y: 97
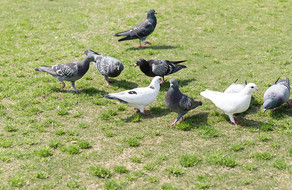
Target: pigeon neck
x: 151, y: 18
x: 145, y: 67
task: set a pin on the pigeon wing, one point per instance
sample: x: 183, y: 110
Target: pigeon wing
x: 143, y: 29
x: 66, y: 70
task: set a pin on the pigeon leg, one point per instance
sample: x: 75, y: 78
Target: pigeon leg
x: 140, y: 46
x: 289, y: 105
x: 73, y: 85
x: 107, y: 80
x: 63, y: 84
x: 232, y: 119
x: 145, y: 114
x: 176, y: 120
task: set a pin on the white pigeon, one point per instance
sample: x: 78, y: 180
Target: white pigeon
x: 139, y: 98
x: 235, y: 88
x: 232, y: 103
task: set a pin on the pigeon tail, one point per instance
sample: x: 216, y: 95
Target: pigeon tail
x: 115, y: 98
x: 127, y: 38
x: 177, y: 62
x: 90, y: 51
x: 46, y: 69
x: 125, y: 33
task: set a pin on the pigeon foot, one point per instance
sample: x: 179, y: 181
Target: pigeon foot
x: 289, y: 106
x: 171, y: 125
x: 63, y: 84
x: 148, y: 43
x: 141, y: 46
x: 163, y: 81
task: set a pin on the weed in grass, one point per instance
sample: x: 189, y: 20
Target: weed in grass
x: 136, y: 159
x: 217, y: 158
x: 246, y: 181
x: 266, y: 127
x: 42, y: 175
x: 133, y: 142
x: 135, y: 175
x: 250, y: 167
x: 121, y: 108
x: 10, y: 128
x: 60, y: 132
x: 262, y: 156
x: 83, y: 144
x: 5, y: 143
x: 184, y: 126
x: 276, y: 145
x: 112, y: 112
x: 17, y: 181
x: 208, y: 132
x: 168, y: 186
x: 237, y: 147
x: 54, y: 143
x: 71, y: 149
x: 73, y: 184
x: 43, y: 152
x: 105, y: 116
x: 153, y: 179
x: 72, y: 133
x: 77, y: 115
x: 280, y: 164
x: 202, y: 182
x: 62, y: 112
x: 249, y: 142
x: 83, y: 124
x: 112, y: 185
x: 136, y: 118
x: 189, y: 160
x: 121, y: 169
x: 150, y: 166
x: 175, y: 170
x: 290, y: 151
x: 264, y: 137
x: 100, y: 171
x: 109, y: 134
x: 157, y: 133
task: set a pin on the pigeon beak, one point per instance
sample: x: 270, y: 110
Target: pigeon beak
x: 135, y: 65
x: 265, y: 110
x: 118, y: 68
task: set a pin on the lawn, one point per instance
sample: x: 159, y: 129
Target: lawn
x: 57, y: 139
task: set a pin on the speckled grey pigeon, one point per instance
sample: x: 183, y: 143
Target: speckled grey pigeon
x: 235, y: 88
x: 277, y: 94
x: 142, y: 31
x: 107, y: 66
x: 178, y: 102
x: 69, y: 71
x: 156, y: 67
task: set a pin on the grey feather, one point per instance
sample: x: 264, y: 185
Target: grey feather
x: 178, y: 102
x: 107, y: 66
x: 69, y: 71
x: 277, y: 94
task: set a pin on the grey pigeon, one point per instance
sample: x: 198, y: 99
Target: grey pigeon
x: 142, y: 31
x: 69, y: 71
x: 277, y: 94
x: 178, y: 102
x: 107, y: 66
x: 139, y: 98
x: 156, y: 67
x: 235, y: 88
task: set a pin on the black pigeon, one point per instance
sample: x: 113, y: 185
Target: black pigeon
x: 69, y: 71
x: 107, y: 66
x: 142, y: 31
x: 277, y: 94
x: 156, y: 67
x: 178, y: 102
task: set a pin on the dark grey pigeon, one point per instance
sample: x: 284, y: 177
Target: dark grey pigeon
x: 178, y: 102
x: 277, y: 94
x: 107, y: 66
x: 69, y: 71
x: 142, y: 31
x: 156, y: 67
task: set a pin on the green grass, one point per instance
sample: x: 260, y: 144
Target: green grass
x: 55, y: 139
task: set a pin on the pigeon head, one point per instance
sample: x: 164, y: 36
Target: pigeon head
x: 151, y: 12
x: 89, y: 58
x: 270, y: 103
x: 173, y: 83
x: 139, y: 62
x: 250, y: 88
x: 156, y: 82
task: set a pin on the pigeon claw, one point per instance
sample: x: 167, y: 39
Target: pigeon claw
x: 163, y: 81
x: 141, y: 46
x: 63, y: 84
x: 171, y: 125
x: 148, y: 43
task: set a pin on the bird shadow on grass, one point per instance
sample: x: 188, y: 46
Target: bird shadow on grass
x: 165, y: 86
x: 89, y: 91
x: 154, y: 111
x: 243, y: 122
x: 192, y: 122
x: 123, y: 84
x: 151, y: 47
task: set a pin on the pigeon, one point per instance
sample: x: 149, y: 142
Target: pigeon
x: 139, y: 98
x: 72, y: 71
x: 156, y: 67
x: 142, y: 31
x: 232, y: 103
x: 107, y: 66
x: 235, y: 88
x: 178, y: 102
x: 277, y: 94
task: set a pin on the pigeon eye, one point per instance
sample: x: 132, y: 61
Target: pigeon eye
x: 252, y: 87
